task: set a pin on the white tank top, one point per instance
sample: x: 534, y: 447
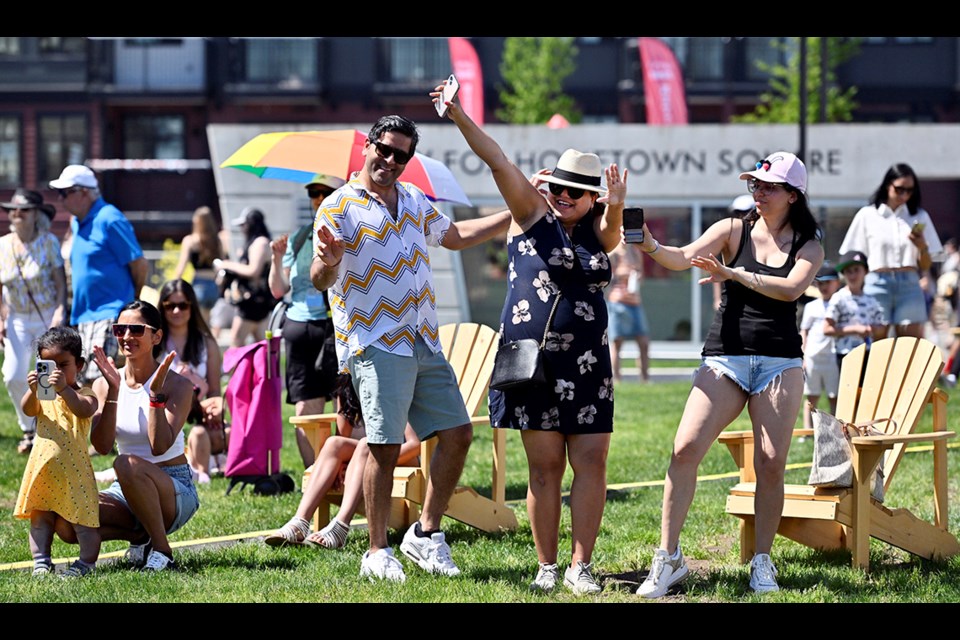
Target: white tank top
x: 132, y: 408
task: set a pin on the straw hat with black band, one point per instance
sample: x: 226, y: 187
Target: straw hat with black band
x: 578, y: 170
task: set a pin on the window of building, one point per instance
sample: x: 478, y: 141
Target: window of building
x: 700, y: 58
x: 416, y: 59
x: 287, y: 62
x: 57, y: 45
x: 62, y: 140
x: 9, y: 152
x: 9, y: 46
x: 154, y: 137
x: 766, y: 50
x: 897, y: 40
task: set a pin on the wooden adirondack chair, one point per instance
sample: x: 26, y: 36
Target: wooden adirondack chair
x: 899, y: 380
x: 470, y: 348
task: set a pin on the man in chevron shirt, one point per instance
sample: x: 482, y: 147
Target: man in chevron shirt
x: 371, y: 253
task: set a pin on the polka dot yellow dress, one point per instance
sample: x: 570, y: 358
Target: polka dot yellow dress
x: 59, y: 476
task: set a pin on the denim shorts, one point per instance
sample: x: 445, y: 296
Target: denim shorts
x: 626, y: 321
x: 900, y: 295
x: 393, y: 390
x: 207, y: 292
x: 753, y: 374
x: 187, y: 499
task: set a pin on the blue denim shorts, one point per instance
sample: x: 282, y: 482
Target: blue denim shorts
x: 395, y: 389
x: 187, y: 499
x: 207, y: 292
x: 753, y: 374
x: 626, y: 321
x: 900, y: 295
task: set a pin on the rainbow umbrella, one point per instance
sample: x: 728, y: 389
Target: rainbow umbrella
x: 298, y: 156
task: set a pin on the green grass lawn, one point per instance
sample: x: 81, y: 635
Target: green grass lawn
x: 498, y: 567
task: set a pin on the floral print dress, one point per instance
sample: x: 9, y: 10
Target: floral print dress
x: 578, y: 396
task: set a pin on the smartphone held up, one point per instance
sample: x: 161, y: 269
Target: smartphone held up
x: 633, y: 225
x: 450, y: 89
x: 45, y: 390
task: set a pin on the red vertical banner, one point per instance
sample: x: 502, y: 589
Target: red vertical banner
x: 662, y: 83
x: 466, y: 66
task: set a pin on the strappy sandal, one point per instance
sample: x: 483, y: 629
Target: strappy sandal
x: 292, y: 533
x: 332, y: 536
x: 26, y: 443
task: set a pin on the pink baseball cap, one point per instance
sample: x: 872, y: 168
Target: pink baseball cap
x: 780, y: 166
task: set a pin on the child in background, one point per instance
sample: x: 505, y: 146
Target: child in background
x: 58, y: 480
x: 853, y: 317
x: 821, y: 373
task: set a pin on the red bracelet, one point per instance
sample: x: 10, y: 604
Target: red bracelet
x: 158, y: 405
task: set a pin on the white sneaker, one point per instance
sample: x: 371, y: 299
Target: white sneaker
x: 137, y: 554
x: 763, y: 575
x: 381, y: 565
x: 157, y: 561
x: 664, y: 573
x: 547, y: 577
x: 580, y: 580
x: 431, y: 554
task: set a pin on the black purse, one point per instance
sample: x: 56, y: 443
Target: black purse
x: 520, y: 363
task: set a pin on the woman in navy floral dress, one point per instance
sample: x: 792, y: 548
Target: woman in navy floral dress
x: 557, y: 243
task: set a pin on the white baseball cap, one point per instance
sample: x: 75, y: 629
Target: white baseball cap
x: 780, y: 166
x: 75, y: 175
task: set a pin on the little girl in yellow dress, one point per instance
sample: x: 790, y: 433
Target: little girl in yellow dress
x: 58, y: 481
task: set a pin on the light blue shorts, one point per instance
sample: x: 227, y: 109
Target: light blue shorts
x: 393, y: 390
x: 753, y: 374
x: 187, y: 499
x: 626, y: 321
x: 900, y: 295
x: 207, y: 292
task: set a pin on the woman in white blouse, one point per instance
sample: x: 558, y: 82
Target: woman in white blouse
x: 900, y: 242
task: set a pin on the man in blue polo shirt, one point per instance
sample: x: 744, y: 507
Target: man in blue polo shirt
x: 107, y: 264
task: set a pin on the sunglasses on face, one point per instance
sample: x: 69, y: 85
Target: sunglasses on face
x: 758, y: 185
x: 385, y: 151
x: 558, y: 189
x: 63, y: 193
x: 318, y: 193
x: 902, y: 191
x: 135, y: 330
x: 180, y: 306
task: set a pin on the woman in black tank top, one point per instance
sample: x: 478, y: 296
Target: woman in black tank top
x: 752, y: 355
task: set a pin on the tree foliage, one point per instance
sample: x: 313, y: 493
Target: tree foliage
x: 781, y: 104
x: 534, y: 70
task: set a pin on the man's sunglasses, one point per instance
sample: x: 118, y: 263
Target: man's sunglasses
x: 558, y: 189
x: 385, y: 151
x: 135, y: 330
x: 318, y: 193
x: 63, y: 193
x: 170, y: 306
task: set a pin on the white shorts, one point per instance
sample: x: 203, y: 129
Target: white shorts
x: 821, y: 376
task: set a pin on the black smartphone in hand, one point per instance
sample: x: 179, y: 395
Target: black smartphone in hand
x: 633, y: 225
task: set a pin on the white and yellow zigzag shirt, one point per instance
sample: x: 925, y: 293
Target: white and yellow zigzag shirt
x: 384, y: 292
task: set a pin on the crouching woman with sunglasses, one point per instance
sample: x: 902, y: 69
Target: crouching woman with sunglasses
x: 143, y: 407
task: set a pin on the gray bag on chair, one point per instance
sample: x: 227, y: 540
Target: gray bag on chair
x: 832, y: 458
